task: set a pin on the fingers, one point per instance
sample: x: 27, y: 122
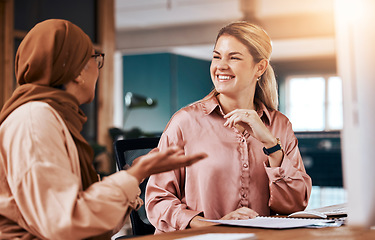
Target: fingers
x: 241, y: 214
x: 171, y: 150
x: 249, y: 120
x: 157, y: 162
x: 233, y: 112
x: 190, y: 159
x: 239, y: 115
x: 183, y: 161
x: 247, y: 212
x: 233, y: 120
x: 245, y: 112
x: 168, y: 160
x: 176, y: 151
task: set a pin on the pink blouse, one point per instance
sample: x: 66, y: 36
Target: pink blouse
x: 234, y: 175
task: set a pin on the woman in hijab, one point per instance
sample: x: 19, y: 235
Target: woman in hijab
x: 49, y: 188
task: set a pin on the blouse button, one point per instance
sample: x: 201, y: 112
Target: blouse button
x: 244, y: 195
x: 245, y: 165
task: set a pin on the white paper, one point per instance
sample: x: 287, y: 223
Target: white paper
x: 273, y: 222
x: 221, y: 236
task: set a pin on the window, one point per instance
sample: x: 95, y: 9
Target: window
x: 314, y: 103
x: 326, y: 196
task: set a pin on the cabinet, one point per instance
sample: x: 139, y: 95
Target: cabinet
x: 321, y: 154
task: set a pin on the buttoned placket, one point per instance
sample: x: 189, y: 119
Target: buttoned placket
x: 245, y: 176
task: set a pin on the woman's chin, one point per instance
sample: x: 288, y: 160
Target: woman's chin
x: 222, y: 90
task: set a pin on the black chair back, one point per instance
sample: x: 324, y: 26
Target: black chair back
x: 126, y: 151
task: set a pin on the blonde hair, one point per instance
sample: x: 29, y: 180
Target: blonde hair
x: 259, y: 45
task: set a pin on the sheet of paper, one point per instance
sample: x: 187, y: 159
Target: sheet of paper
x: 273, y: 222
x: 221, y: 236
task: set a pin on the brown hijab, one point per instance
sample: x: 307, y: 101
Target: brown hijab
x: 53, y: 53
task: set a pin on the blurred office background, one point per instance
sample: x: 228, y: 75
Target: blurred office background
x: 166, y: 48
x: 157, y: 60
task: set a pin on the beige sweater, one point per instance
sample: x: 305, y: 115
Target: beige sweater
x: 40, y: 182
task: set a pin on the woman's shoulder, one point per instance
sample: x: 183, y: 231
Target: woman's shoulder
x: 280, y: 115
x: 34, y: 122
x: 35, y: 113
x: 193, y: 109
x: 35, y: 108
x: 276, y: 115
x: 186, y: 116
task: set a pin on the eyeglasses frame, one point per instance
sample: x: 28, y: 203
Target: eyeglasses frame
x: 100, y: 63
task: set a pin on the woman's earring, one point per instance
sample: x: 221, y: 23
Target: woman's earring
x: 259, y: 78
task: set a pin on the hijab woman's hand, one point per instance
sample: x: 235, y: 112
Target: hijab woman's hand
x: 157, y: 162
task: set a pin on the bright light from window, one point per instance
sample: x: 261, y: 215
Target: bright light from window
x: 306, y: 103
x: 314, y: 103
x: 335, y: 114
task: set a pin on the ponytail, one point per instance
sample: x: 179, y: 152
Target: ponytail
x: 266, y: 89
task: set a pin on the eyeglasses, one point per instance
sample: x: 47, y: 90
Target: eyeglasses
x: 99, y: 58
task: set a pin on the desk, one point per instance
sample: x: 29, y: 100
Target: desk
x: 339, y: 233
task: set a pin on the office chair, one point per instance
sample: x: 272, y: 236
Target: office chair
x: 126, y: 151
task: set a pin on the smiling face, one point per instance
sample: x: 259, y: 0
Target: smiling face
x: 233, y: 70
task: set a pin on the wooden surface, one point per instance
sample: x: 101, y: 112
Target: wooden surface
x: 339, y: 233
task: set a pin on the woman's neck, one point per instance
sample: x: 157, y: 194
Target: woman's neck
x: 229, y: 104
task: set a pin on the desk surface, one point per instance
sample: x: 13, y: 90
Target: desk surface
x: 342, y: 233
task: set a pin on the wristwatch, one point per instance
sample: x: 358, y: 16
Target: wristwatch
x: 273, y: 149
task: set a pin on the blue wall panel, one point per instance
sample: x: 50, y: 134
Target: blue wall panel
x: 194, y: 80
x: 173, y: 80
x: 148, y: 75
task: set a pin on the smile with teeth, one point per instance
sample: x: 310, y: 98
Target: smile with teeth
x: 224, y: 77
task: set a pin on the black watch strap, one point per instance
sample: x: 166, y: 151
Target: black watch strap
x: 273, y: 149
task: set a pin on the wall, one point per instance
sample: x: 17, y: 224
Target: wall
x: 173, y: 80
x: 83, y: 13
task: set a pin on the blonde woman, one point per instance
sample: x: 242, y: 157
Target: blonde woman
x: 254, y: 166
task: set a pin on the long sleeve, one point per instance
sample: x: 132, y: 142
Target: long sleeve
x: 234, y: 175
x: 165, y: 195
x: 290, y: 186
x: 43, y: 177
